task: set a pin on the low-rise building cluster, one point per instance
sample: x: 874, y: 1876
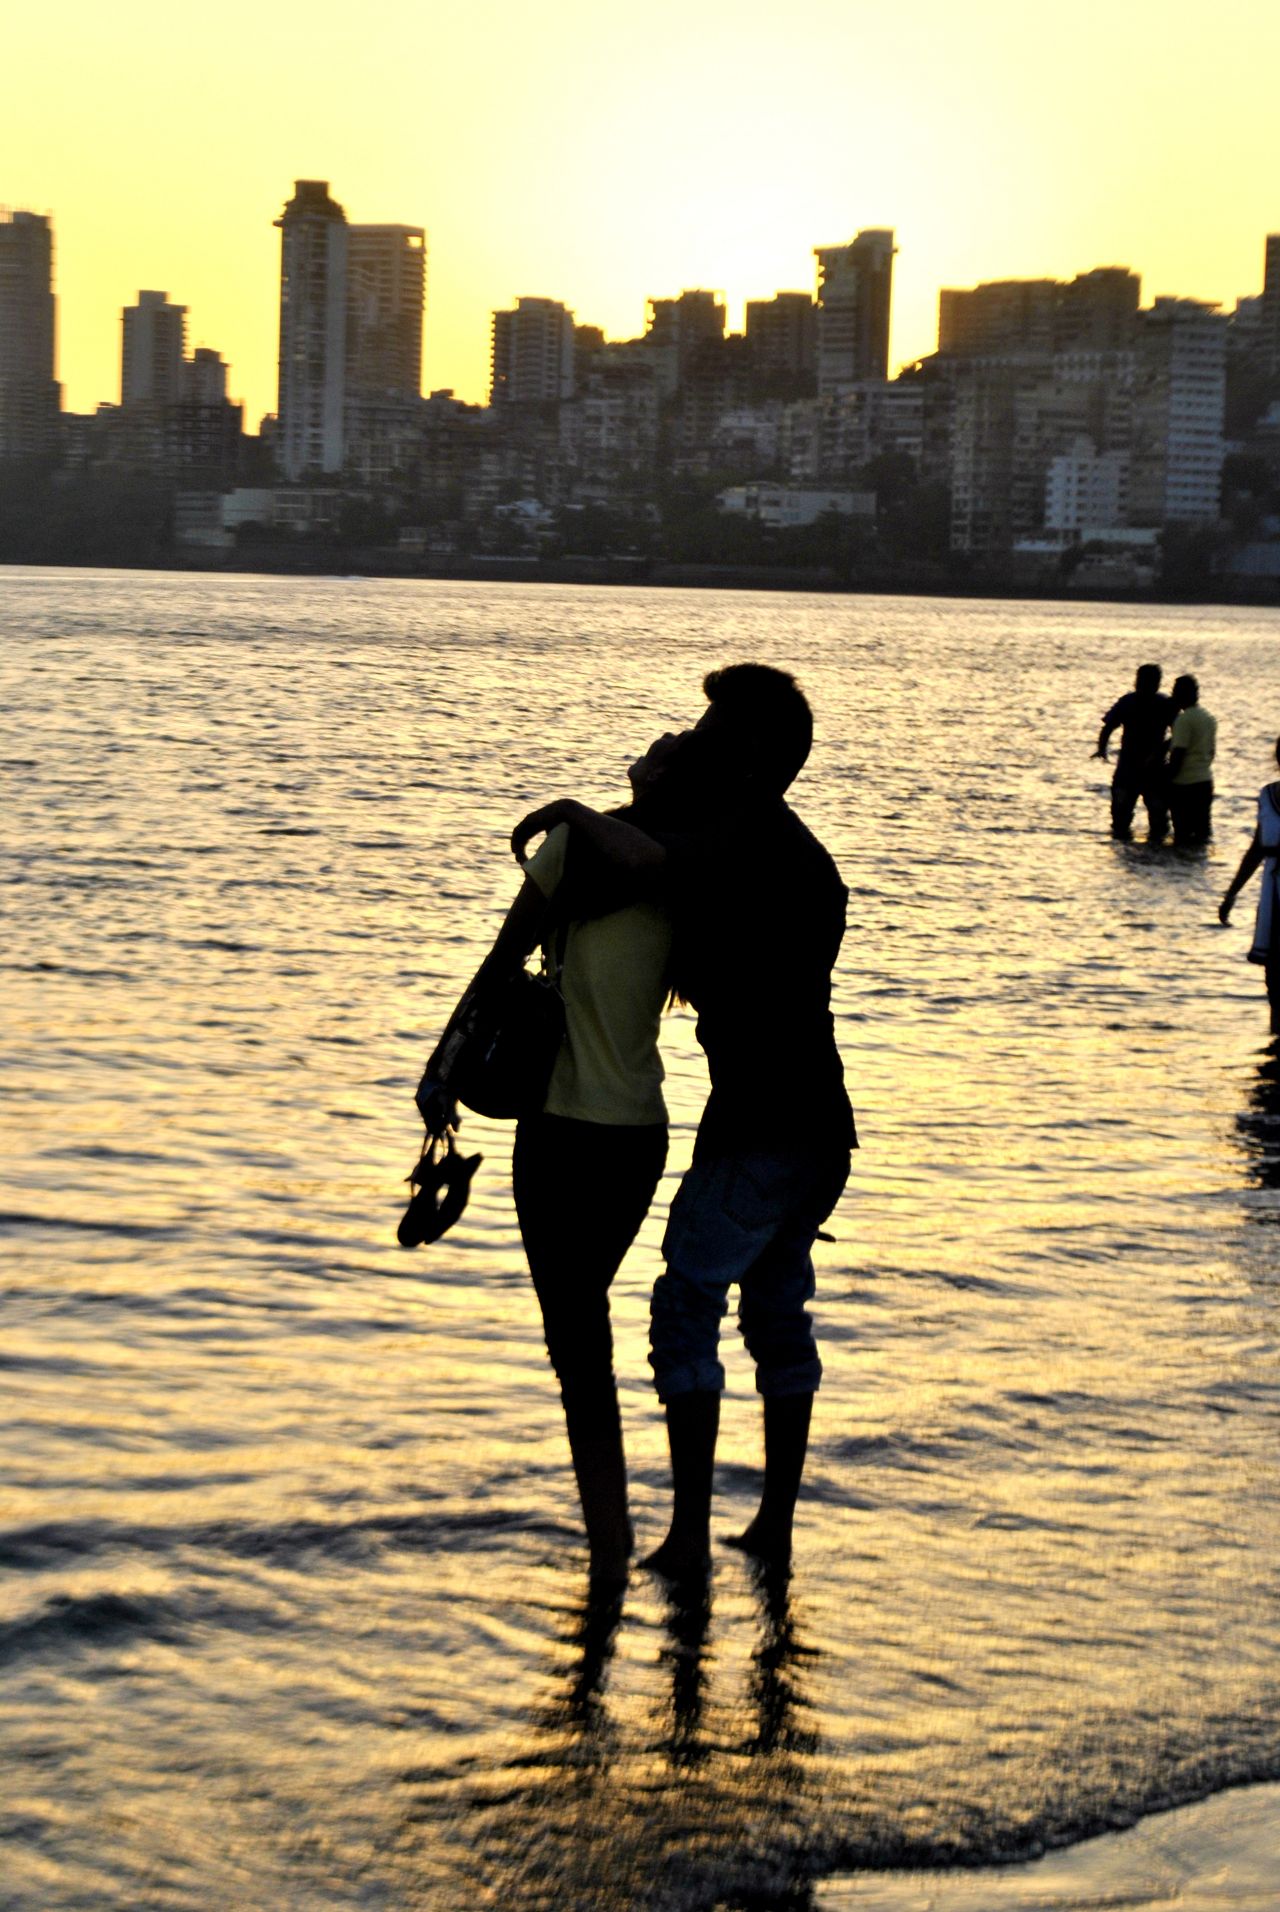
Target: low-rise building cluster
x: 1061, y: 428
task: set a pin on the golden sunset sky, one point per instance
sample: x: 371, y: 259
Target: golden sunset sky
x: 603, y: 155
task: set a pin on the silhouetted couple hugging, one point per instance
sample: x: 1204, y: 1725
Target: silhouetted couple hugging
x: 707, y: 888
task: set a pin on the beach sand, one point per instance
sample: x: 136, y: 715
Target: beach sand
x: 1222, y: 1855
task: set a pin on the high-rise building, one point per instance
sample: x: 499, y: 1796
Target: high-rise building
x: 782, y: 335
x: 1271, y: 304
x: 1002, y: 315
x: 679, y: 331
x: 1092, y: 312
x: 1178, y: 412
x: 204, y: 378
x: 855, y: 289
x: 154, y: 341
x: 29, y: 395
x: 209, y: 427
x: 533, y: 352
x: 313, y: 330
x: 1095, y: 311
x: 386, y: 296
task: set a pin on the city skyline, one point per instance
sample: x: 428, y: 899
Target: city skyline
x: 198, y: 344
x: 578, y: 158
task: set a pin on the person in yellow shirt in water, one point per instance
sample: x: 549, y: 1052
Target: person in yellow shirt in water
x: 587, y: 1162
x: 1194, y: 738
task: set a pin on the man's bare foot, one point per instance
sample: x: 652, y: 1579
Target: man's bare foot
x: 679, y: 1559
x: 763, y: 1541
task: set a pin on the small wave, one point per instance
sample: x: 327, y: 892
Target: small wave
x: 53, y: 1544
x: 95, y: 1619
x: 104, y: 1152
x: 15, y: 1219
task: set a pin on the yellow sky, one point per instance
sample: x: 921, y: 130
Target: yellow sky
x: 602, y: 156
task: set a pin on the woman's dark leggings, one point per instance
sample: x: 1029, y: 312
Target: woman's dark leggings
x: 582, y: 1190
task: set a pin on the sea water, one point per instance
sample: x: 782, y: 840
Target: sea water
x: 293, y: 1604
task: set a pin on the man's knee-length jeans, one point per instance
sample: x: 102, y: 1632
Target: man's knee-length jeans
x: 749, y: 1218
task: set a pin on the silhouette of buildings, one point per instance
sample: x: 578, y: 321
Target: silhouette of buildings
x: 855, y: 288
x: 210, y: 428
x: 174, y: 418
x: 386, y: 300
x: 1055, y: 417
x: 1270, y: 308
x: 153, y: 349
x: 352, y: 299
x: 1093, y: 312
x: 1063, y: 413
x: 313, y: 330
x: 1178, y: 409
x: 30, y: 398
x: 532, y: 360
x: 782, y: 333
x: 678, y: 333
x: 382, y: 377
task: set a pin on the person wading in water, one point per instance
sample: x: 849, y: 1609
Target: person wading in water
x: 758, y: 910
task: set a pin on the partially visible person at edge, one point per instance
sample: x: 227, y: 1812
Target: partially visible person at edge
x: 1143, y: 716
x: 759, y: 913
x: 1264, y: 850
x: 584, y: 1169
x: 1193, y: 741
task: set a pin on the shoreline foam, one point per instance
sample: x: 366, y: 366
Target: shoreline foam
x: 1220, y: 1855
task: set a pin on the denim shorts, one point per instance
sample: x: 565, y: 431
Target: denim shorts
x: 751, y: 1219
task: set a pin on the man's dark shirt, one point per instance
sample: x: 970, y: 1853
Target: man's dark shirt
x: 759, y: 913
x: 1145, y: 717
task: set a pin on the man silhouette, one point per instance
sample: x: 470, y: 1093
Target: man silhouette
x: 1144, y: 718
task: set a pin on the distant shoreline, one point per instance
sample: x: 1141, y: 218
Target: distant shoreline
x: 643, y: 572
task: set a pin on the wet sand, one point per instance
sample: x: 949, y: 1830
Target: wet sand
x: 1222, y: 1855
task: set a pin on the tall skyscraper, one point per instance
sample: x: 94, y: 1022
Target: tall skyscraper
x: 533, y: 350
x: 351, y: 310
x: 313, y: 330
x: 1271, y: 304
x: 855, y: 287
x: 154, y: 345
x: 386, y: 290
x: 29, y: 395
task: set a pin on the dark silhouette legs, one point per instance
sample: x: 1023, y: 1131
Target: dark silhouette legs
x: 1273, y: 996
x: 693, y: 1422
x: 786, y: 1441
x: 600, y: 1469
x: 581, y: 1192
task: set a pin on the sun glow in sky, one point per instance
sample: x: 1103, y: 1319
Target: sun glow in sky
x: 602, y: 156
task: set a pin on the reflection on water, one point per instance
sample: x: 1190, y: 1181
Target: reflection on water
x: 292, y: 1600
x: 1259, y: 1128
